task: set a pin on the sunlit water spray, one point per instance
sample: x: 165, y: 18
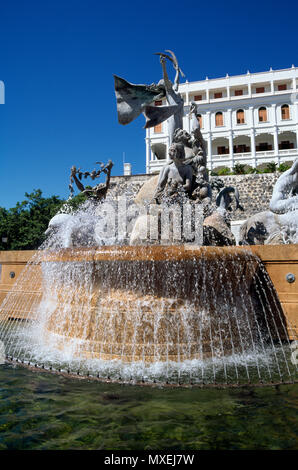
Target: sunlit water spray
x: 175, y: 314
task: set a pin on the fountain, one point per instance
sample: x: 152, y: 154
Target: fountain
x: 137, y: 306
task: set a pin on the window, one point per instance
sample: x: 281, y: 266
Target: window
x: 260, y: 89
x: 286, y: 144
x: 219, y: 119
x: 282, y: 86
x: 263, y: 147
x: 200, y: 119
x: 285, y: 111
x: 222, y: 150
x: 241, y: 148
x: 262, y: 114
x: 158, y: 128
x: 240, y: 116
x: 198, y: 97
x: 238, y: 92
x: 218, y: 95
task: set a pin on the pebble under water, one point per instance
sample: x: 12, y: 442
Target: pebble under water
x: 51, y: 412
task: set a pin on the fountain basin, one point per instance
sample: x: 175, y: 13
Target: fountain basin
x: 156, y: 303
x: 151, y: 304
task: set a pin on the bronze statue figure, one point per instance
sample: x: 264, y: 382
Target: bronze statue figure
x: 100, y: 190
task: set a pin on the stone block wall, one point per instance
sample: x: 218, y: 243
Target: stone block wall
x: 255, y: 192
x: 129, y: 185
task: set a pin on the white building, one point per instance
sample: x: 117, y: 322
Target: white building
x: 249, y: 119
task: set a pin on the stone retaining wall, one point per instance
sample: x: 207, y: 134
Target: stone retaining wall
x: 255, y: 190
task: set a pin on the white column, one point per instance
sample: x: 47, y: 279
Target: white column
x: 231, y: 146
x: 231, y: 149
x: 275, y: 133
x: 187, y: 98
x: 294, y: 84
x: 252, y: 136
x: 147, y: 154
x: 209, y: 142
x: 274, y: 114
x: 208, y: 121
x: 253, y: 147
x: 275, y: 140
x: 230, y: 121
x: 295, y: 116
x: 209, y: 137
x: 251, y: 116
x: 295, y: 108
x: 272, y: 86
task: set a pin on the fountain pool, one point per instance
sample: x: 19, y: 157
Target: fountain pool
x: 42, y: 411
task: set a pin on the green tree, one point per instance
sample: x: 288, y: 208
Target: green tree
x: 24, y: 225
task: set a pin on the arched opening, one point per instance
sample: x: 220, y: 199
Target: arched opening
x: 287, y: 140
x: 220, y: 146
x: 262, y: 114
x: 241, y: 144
x: 240, y: 116
x: 219, y: 119
x: 285, y: 111
x: 159, y: 150
x: 264, y: 142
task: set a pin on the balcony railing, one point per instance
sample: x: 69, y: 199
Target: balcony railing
x: 158, y: 162
x: 245, y: 95
x: 245, y: 158
x: 288, y: 152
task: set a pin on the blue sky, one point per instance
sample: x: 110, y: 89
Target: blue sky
x: 57, y: 60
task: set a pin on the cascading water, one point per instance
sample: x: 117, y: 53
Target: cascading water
x: 163, y: 314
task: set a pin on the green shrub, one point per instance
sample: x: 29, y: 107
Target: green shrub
x: 283, y: 167
x: 224, y: 171
x: 239, y: 169
x: 271, y: 167
x: 217, y: 170
x: 261, y: 167
x: 252, y: 170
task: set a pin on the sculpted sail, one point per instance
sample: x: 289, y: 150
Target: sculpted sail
x: 131, y: 99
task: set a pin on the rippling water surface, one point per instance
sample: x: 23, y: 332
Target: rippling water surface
x: 47, y: 411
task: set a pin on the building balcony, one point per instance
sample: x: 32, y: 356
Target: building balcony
x: 247, y: 158
x: 156, y: 165
x: 246, y: 95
